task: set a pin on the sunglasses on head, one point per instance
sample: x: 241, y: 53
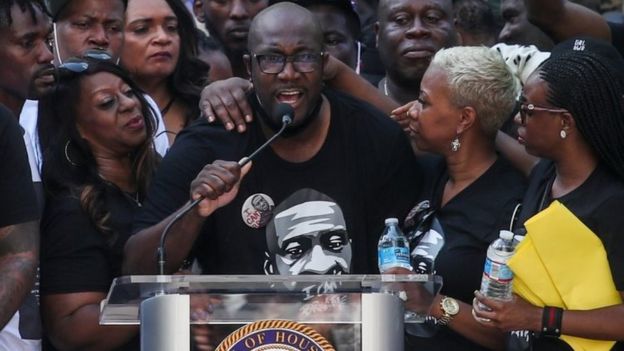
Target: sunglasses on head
x: 81, y: 64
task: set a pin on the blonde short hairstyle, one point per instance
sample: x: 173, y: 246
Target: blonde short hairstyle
x: 478, y: 77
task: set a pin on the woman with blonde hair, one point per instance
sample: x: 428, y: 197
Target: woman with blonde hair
x: 466, y: 95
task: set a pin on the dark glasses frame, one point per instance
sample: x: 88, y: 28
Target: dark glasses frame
x: 298, y: 60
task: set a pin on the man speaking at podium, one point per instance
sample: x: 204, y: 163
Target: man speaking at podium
x: 323, y: 187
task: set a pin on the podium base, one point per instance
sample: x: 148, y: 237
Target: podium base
x: 165, y: 323
x: 382, y: 322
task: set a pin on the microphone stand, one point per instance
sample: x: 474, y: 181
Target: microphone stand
x: 161, y: 260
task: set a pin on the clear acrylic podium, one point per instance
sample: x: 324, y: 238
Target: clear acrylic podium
x: 361, y: 312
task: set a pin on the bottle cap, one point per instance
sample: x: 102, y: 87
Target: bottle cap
x: 391, y: 221
x: 506, y: 235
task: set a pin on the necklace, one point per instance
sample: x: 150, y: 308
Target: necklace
x: 133, y: 197
x: 167, y: 107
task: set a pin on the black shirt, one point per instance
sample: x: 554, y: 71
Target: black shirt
x: 467, y: 224
x: 617, y: 36
x: 365, y: 168
x: 597, y: 203
x: 75, y: 256
x: 19, y: 203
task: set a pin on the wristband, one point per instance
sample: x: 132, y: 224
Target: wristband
x: 551, y: 321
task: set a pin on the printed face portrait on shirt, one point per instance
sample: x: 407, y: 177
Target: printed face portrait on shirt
x: 308, y: 235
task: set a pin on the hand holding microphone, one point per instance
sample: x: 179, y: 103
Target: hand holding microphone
x: 219, y: 182
x: 223, y: 186
x: 217, y: 185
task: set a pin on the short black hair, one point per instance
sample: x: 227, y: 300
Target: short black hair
x: 32, y: 6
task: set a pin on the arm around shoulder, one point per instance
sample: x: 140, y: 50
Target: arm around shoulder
x: 341, y: 77
x: 563, y: 19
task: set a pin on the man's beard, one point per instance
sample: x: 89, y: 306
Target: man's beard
x: 275, y: 125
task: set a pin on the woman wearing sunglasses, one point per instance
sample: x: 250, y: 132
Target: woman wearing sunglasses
x: 466, y: 95
x: 572, y: 116
x: 160, y: 52
x: 95, y: 129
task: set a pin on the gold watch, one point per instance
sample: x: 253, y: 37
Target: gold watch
x: 450, y: 308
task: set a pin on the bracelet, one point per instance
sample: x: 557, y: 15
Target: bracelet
x: 551, y: 321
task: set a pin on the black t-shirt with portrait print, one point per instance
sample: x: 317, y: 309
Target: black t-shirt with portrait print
x: 598, y: 204
x: 75, y: 256
x: 365, y: 170
x: 458, y: 238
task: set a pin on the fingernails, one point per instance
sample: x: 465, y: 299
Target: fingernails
x: 241, y: 128
x: 211, y: 119
x: 248, y: 118
x: 229, y: 126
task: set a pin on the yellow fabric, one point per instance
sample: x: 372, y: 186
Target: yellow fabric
x: 562, y: 263
x: 532, y: 280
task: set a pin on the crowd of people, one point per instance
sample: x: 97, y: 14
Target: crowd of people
x: 461, y: 118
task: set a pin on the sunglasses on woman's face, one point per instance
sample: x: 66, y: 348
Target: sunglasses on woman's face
x: 527, y: 110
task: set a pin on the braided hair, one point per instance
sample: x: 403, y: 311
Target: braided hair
x: 32, y: 6
x: 592, y: 89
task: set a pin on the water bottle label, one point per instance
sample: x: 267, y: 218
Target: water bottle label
x: 497, y: 271
x: 394, y: 257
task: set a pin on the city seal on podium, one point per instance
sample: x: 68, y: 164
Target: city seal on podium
x: 275, y: 335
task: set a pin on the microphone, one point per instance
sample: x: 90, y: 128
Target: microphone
x: 286, y: 112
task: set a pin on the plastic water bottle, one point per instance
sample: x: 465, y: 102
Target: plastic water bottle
x: 497, y: 277
x: 393, y: 248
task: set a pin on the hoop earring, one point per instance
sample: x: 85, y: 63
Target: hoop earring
x: 67, y: 154
x: 455, y: 144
